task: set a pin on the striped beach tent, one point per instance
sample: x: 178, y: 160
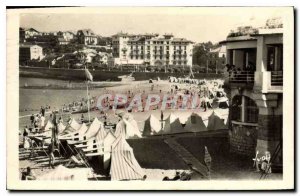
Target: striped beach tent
x: 124, y: 166
x: 151, y: 126
x: 194, y: 124
x: 107, y: 145
x: 215, y: 122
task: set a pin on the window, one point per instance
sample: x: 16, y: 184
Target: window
x: 275, y: 57
x: 251, y: 111
x: 244, y: 109
x: 236, y: 108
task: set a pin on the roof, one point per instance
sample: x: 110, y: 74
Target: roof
x: 87, y: 32
x: 30, y: 29
x: 181, y: 40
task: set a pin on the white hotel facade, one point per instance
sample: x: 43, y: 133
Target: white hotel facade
x: 151, y: 49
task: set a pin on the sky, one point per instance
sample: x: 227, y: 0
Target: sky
x: 195, y: 24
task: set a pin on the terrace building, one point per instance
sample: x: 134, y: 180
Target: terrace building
x: 256, y: 91
x: 152, y: 49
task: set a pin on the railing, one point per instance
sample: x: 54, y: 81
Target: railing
x: 241, y: 77
x: 276, y: 78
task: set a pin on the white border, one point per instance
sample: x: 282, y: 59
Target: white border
x: 177, y: 185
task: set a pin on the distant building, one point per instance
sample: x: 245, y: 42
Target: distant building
x: 66, y: 35
x: 30, y: 32
x: 152, y: 49
x: 87, y: 37
x: 62, y: 41
x: 30, y: 52
x: 256, y: 86
x: 104, y: 41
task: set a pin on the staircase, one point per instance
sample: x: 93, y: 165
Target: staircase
x: 188, y: 158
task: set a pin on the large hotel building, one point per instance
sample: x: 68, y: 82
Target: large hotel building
x: 151, y: 49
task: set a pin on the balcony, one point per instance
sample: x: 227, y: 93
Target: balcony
x: 276, y: 78
x: 241, y: 78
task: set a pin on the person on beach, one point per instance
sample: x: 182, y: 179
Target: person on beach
x: 82, y: 118
x: 42, y: 111
x: 32, y: 119
x: 51, y: 149
x: 42, y: 119
x: 28, y: 174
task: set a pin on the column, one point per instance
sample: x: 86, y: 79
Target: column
x: 270, y: 127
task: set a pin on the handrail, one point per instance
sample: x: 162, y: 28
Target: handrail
x: 241, y: 77
x: 276, y: 78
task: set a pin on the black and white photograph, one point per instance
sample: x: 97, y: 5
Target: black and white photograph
x: 134, y: 96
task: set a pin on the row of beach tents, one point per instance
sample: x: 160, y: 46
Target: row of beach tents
x: 172, y: 124
x: 106, y: 152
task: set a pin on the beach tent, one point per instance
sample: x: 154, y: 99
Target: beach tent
x: 61, y: 127
x: 151, y: 126
x: 74, y: 124
x: 127, y: 127
x: 132, y: 128
x: 215, y: 122
x: 63, y: 173
x: 48, y: 126
x: 82, y: 129
x: 124, y: 166
x: 107, y: 144
x: 93, y: 128
x: 101, y: 134
x: 194, y: 124
x: 172, y: 125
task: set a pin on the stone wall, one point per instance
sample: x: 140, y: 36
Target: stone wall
x: 270, y: 127
x: 243, y: 140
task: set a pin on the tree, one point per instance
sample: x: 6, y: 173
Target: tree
x: 201, y: 53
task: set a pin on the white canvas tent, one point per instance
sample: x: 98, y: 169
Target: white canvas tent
x: 132, y: 129
x: 215, y: 122
x: 151, y: 126
x: 195, y: 124
x: 74, y: 124
x: 48, y: 126
x: 93, y: 128
x: 128, y: 128
x: 124, y: 166
x: 172, y: 125
x: 61, y: 127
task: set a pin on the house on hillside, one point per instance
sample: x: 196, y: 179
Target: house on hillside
x: 66, y: 35
x: 87, y: 37
x: 30, y: 52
